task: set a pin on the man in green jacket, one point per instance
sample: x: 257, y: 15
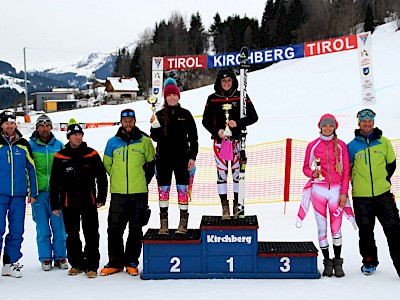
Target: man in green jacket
x: 373, y: 163
x: 50, y: 230
x: 129, y: 160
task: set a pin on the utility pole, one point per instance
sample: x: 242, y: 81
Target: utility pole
x: 26, y: 86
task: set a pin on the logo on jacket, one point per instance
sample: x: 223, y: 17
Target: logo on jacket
x: 69, y: 169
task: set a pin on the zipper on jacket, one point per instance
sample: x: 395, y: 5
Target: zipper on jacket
x: 47, y: 168
x: 127, y: 167
x: 370, y: 168
x: 11, y: 161
x: 329, y: 165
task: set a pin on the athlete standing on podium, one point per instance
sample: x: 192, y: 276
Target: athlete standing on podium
x: 215, y: 121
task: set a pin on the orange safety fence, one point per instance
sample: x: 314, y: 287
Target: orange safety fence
x: 273, y: 173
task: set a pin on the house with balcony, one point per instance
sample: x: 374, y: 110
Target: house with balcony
x: 121, y: 90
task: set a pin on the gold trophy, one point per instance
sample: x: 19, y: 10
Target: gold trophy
x: 153, y: 100
x: 227, y: 107
x: 318, y: 167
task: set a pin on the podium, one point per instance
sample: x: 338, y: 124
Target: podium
x: 225, y: 249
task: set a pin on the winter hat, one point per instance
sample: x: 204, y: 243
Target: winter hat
x: 366, y: 113
x: 171, y: 88
x: 128, y: 113
x: 43, y: 119
x: 73, y: 127
x: 170, y: 80
x: 224, y: 73
x: 7, y: 116
x: 328, y: 119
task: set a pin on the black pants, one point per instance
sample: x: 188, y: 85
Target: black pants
x: 382, y: 207
x: 165, y: 166
x: 89, y: 258
x: 126, y: 209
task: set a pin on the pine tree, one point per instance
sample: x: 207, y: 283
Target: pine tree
x: 369, y: 24
x: 267, y: 25
x: 296, y: 18
x: 215, y: 32
x: 197, y: 36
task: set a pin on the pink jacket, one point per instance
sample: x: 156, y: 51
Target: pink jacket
x: 324, y: 149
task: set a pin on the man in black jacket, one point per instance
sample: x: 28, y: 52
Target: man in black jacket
x: 77, y: 173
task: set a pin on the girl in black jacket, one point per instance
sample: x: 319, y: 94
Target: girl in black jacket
x: 177, y: 148
x: 214, y: 120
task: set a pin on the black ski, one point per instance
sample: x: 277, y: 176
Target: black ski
x: 244, y: 66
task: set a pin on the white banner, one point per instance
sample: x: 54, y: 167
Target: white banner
x: 157, y: 77
x: 365, y: 63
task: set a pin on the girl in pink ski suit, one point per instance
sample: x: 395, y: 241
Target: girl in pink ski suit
x: 328, y: 188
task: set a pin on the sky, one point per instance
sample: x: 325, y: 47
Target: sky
x: 289, y: 97
x: 56, y: 32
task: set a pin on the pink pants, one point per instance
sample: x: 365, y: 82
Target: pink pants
x: 321, y: 198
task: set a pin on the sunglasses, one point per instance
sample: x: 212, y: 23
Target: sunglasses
x: 39, y: 122
x: 127, y: 114
x: 366, y: 113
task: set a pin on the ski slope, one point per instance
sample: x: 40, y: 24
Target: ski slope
x: 289, y: 97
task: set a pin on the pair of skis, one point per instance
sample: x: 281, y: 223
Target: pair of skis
x: 244, y: 67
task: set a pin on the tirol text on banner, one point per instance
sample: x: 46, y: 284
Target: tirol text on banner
x: 365, y: 63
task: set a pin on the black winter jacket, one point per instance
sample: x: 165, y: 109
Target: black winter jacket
x: 78, y: 178
x: 181, y: 139
x: 214, y: 116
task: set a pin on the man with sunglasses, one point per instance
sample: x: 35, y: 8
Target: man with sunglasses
x: 373, y: 163
x: 18, y: 182
x: 129, y: 160
x: 50, y: 230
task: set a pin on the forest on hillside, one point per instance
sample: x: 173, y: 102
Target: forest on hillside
x: 284, y: 22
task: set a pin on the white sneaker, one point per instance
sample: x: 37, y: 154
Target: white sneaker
x: 13, y: 270
x: 46, y: 265
x: 61, y: 264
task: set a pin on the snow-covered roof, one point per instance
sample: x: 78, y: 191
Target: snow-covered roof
x: 123, y: 84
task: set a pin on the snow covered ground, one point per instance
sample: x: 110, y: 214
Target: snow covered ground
x: 289, y: 97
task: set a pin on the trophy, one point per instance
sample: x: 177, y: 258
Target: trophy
x: 153, y: 100
x: 227, y: 107
x: 318, y: 167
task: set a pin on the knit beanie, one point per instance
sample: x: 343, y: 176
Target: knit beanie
x: 170, y: 80
x: 128, y: 113
x: 171, y: 88
x: 43, y: 119
x: 73, y: 127
x: 7, y: 116
x: 366, y: 113
x: 328, y: 119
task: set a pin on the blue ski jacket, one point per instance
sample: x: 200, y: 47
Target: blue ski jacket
x: 17, y: 168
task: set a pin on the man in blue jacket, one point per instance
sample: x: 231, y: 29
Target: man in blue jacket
x: 373, y: 162
x: 50, y: 231
x: 17, y: 173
